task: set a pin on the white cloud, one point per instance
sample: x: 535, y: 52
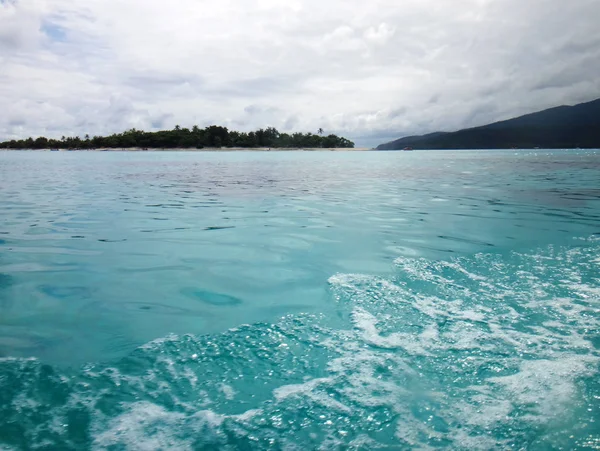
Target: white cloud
x: 376, y: 70
x: 381, y: 34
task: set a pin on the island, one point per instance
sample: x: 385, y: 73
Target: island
x: 213, y: 136
x: 563, y: 127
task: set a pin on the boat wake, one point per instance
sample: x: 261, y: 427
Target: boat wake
x: 486, y: 352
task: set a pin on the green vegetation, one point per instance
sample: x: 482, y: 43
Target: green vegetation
x: 212, y: 136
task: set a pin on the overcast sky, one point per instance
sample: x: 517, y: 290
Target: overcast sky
x: 371, y: 70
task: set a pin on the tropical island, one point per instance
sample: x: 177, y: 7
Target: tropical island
x: 213, y: 136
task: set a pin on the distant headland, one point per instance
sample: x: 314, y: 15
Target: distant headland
x: 212, y: 137
x: 563, y: 127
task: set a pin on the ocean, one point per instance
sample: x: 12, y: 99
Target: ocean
x: 300, y: 300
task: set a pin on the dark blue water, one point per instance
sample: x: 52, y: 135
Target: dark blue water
x: 300, y: 300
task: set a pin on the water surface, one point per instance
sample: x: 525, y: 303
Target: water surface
x: 163, y: 300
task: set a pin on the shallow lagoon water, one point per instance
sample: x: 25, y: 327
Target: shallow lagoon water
x: 300, y: 300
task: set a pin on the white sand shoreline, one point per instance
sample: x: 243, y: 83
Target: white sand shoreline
x: 206, y: 149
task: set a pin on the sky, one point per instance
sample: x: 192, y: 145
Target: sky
x: 371, y: 70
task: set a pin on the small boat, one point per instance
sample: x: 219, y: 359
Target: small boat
x: 407, y: 149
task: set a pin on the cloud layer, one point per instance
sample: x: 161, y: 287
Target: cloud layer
x: 371, y: 71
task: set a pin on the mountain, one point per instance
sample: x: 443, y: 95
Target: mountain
x: 563, y: 127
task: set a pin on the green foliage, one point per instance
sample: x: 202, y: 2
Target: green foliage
x: 211, y: 136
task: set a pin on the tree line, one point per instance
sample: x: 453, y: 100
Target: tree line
x: 211, y: 136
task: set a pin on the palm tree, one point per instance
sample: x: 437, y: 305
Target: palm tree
x: 320, y: 131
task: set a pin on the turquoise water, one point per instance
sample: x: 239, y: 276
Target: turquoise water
x: 300, y: 300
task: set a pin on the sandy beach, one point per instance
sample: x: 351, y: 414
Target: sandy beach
x: 213, y: 149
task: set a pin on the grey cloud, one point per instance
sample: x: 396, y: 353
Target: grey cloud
x: 398, y: 112
x: 290, y: 123
x: 571, y: 75
x: 260, y: 109
x: 161, y: 80
x: 19, y: 28
x: 481, y: 114
x: 160, y: 121
x: 494, y: 87
x: 435, y: 98
x: 16, y: 122
x: 253, y: 87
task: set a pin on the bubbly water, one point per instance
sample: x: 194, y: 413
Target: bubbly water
x: 300, y: 300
